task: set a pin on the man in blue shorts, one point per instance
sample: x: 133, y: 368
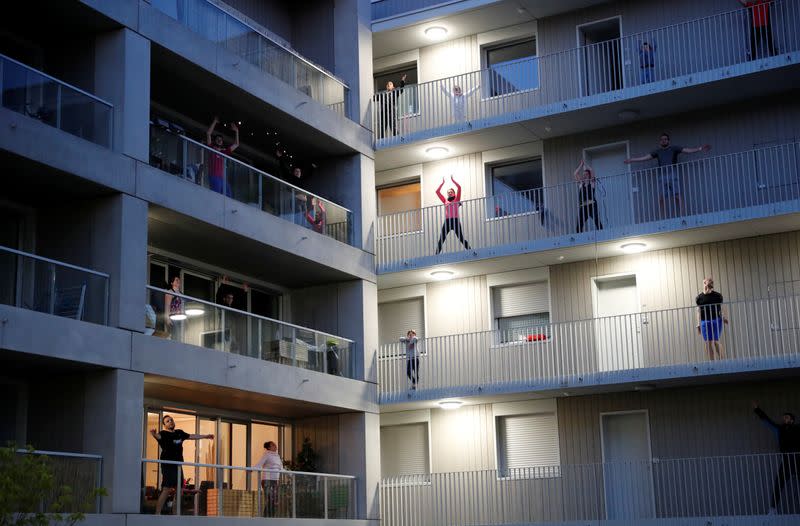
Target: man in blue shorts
x: 669, y: 181
x: 710, y: 319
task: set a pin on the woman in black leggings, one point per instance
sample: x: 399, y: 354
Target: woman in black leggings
x: 587, y: 200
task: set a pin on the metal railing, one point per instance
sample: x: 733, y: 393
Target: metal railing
x: 754, y: 183
x: 205, y: 324
x: 81, y: 473
x: 233, y: 491
x: 37, y: 95
x: 589, y: 351
x: 36, y: 283
x: 637, y: 489
x: 257, y: 48
x: 209, y: 168
x: 536, y: 86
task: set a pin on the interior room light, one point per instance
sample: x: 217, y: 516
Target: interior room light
x: 177, y: 317
x: 195, y: 309
x: 450, y: 404
x: 633, y: 248
x: 442, y: 274
x: 436, y: 152
x: 436, y: 32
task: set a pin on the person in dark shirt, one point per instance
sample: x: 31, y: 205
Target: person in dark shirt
x: 710, y: 319
x: 669, y: 180
x: 171, y: 442
x: 788, y: 433
x: 587, y: 200
x: 387, y: 103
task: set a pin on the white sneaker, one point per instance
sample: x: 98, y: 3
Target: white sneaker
x: 772, y: 511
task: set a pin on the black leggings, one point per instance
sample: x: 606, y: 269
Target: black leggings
x: 584, y: 213
x: 412, y: 370
x: 787, y: 470
x: 451, y: 223
x: 761, y: 44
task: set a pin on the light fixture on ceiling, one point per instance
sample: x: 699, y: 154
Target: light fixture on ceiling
x: 627, y: 115
x: 450, y: 404
x: 437, y: 152
x: 178, y: 316
x: 633, y: 248
x: 436, y: 32
x: 195, y: 309
x: 442, y: 274
x: 561, y: 258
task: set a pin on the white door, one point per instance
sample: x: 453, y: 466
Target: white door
x: 613, y: 191
x: 627, y: 467
x: 618, y: 338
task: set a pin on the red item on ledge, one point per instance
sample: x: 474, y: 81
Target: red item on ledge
x: 537, y: 337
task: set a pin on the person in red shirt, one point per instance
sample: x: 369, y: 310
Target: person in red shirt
x: 216, y: 163
x: 760, y: 29
x: 451, y: 221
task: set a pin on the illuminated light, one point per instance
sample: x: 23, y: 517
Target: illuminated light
x: 177, y: 317
x: 436, y: 32
x: 195, y: 309
x: 437, y: 152
x: 442, y: 274
x: 450, y: 404
x: 633, y: 248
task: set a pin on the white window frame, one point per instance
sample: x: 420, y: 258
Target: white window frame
x: 421, y: 209
x: 493, y: 317
x: 487, y: 168
x: 422, y: 416
x: 527, y: 407
x: 486, y: 93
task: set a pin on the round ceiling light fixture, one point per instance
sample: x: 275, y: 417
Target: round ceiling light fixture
x: 436, y: 32
x: 437, y: 152
x: 633, y: 248
x: 450, y: 404
x: 442, y: 274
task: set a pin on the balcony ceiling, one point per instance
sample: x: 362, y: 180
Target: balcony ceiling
x: 195, y: 394
x: 752, y: 228
x: 592, y: 117
x: 406, y: 33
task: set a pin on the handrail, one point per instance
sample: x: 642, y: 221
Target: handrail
x: 249, y: 167
x: 54, y: 262
x: 60, y: 454
x: 244, y: 468
x: 280, y: 45
x: 38, y: 72
x: 245, y: 313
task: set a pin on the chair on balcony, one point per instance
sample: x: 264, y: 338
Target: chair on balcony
x: 68, y: 302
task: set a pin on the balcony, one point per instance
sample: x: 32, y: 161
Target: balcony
x: 229, y: 491
x: 253, y: 45
x: 205, y: 324
x: 44, y: 285
x: 735, y: 487
x: 55, y: 103
x: 646, y: 346
x: 690, y: 53
x: 753, y: 184
x: 193, y: 161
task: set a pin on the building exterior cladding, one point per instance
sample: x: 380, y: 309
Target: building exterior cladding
x: 270, y: 333
x: 583, y: 389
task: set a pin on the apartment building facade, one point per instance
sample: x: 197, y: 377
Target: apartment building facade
x: 149, y: 270
x: 561, y: 374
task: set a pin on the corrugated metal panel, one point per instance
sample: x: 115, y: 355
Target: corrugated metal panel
x: 518, y: 300
x: 404, y: 450
x: 395, y: 319
x: 528, y: 441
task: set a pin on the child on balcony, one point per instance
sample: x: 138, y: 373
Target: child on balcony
x: 458, y: 101
x: 647, y: 61
x: 587, y: 200
x: 412, y: 357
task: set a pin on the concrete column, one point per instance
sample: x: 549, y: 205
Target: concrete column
x: 122, y: 77
x: 353, y: 55
x: 113, y: 413
x: 358, y: 319
x: 360, y: 455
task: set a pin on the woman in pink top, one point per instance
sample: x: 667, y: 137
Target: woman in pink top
x: 451, y: 221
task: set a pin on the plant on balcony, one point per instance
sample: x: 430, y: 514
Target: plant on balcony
x: 29, y: 495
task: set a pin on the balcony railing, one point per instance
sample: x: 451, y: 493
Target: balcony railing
x: 231, y: 491
x: 257, y: 48
x: 542, y: 85
x: 198, y: 322
x: 590, y: 351
x: 56, y: 103
x: 32, y: 282
x: 731, y: 486
x: 713, y: 190
x: 77, y: 475
x: 204, y: 166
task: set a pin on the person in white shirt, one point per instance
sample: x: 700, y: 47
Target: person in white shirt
x: 272, y: 464
x: 458, y: 100
x: 412, y: 357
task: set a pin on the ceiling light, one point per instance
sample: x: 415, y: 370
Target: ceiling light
x: 437, y: 152
x: 436, y: 32
x: 442, y: 274
x: 450, y: 404
x: 628, y: 115
x: 633, y: 248
x: 177, y: 317
x: 195, y: 309
x: 561, y: 258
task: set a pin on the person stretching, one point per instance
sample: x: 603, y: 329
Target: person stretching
x: 451, y: 221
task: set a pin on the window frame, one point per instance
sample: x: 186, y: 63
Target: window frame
x: 491, y: 211
x: 407, y: 182
x: 424, y: 478
x: 524, y: 408
x: 486, y: 92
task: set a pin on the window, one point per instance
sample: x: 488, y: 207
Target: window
x: 404, y: 450
x: 516, y: 188
x: 512, y: 67
x: 407, y: 103
x: 522, y: 312
x: 395, y: 319
x: 527, y: 445
x: 401, y: 198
